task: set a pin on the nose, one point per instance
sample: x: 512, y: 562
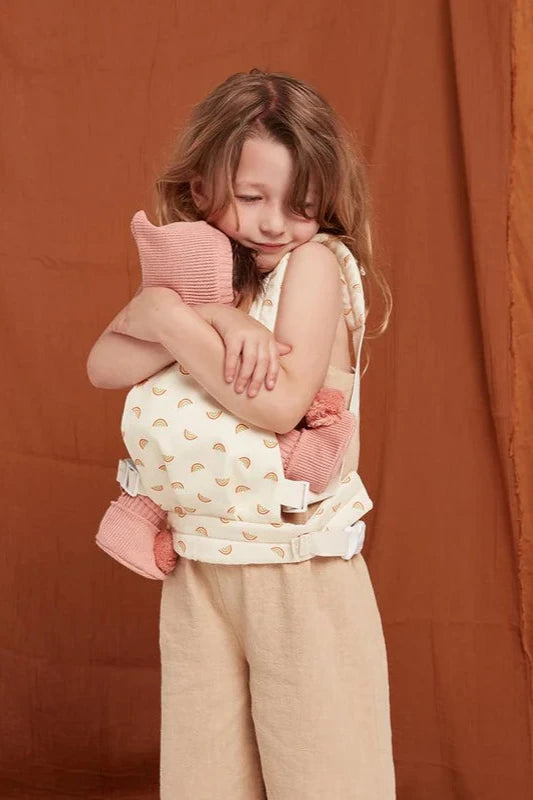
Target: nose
x: 272, y: 223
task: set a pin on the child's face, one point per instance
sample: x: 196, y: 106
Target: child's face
x: 263, y: 215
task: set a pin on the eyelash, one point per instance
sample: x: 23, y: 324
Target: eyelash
x: 248, y: 199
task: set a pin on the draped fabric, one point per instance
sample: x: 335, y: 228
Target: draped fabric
x: 439, y: 94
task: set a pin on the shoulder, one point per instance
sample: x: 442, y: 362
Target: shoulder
x: 312, y: 268
x: 316, y: 253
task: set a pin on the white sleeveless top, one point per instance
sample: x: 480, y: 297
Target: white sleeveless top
x: 221, y: 479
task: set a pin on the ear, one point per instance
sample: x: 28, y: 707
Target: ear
x: 197, y: 192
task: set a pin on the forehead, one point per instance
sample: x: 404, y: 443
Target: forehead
x: 265, y: 165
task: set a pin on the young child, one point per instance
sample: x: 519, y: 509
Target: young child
x: 273, y: 662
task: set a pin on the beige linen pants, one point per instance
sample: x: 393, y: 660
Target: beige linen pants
x: 274, y: 683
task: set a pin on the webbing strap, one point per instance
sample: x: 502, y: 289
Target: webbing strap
x: 345, y: 543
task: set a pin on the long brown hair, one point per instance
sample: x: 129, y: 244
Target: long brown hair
x: 287, y: 110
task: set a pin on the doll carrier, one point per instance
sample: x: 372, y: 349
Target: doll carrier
x: 221, y: 479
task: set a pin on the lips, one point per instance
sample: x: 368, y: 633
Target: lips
x: 270, y: 246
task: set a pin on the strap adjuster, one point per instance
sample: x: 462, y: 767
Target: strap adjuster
x: 299, y: 492
x: 128, y: 476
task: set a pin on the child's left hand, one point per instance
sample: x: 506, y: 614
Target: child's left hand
x: 142, y: 315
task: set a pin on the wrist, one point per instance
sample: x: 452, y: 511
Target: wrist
x: 167, y: 313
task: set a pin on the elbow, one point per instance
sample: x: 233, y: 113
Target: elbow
x: 284, y: 416
x: 96, y: 378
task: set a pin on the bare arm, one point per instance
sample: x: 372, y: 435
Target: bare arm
x: 307, y: 319
x: 118, y: 361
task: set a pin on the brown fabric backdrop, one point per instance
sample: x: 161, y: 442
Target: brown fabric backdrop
x: 91, y: 94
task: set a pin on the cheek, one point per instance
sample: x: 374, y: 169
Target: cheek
x: 306, y: 230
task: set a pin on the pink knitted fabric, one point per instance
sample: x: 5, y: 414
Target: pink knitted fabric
x: 193, y: 258
x: 315, y: 453
x: 127, y: 532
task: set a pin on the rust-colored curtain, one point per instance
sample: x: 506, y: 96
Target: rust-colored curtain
x: 440, y: 95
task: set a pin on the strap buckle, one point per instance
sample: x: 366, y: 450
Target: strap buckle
x: 356, y: 537
x: 128, y: 476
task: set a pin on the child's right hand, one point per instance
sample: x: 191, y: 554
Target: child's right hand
x: 252, y: 352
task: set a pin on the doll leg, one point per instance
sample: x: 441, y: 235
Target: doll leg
x: 208, y: 745
x: 128, y: 532
x: 319, y: 688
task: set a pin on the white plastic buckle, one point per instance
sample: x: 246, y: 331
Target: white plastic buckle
x: 304, y: 501
x: 356, y: 538
x: 128, y: 476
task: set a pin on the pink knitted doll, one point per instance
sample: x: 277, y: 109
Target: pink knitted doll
x: 195, y: 259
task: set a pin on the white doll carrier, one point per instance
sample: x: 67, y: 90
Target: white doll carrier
x: 221, y: 479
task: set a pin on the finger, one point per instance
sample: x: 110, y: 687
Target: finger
x: 273, y: 368
x: 249, y: 359
x: 283, y: 349
x: 233, y: 351
x: 261, y: 367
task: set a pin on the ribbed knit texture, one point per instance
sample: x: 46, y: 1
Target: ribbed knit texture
x: 193, y: 258
x: 128, y: 537
x: 317, y: 454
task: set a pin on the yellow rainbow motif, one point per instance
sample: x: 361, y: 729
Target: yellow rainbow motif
x: 225, y: 550
x: 230, y: 510
x: 213, y: 414
x: 249, y: 536
x: 203, y: 499
x: 271, y: 476
x: 279, y: 551
x: 219, y: 446
x: 189, y: 510
x: 181, y: 545
x: 262, y: 510
x: 225, y: 520
x: 177, y: 485
x: 239, y: 489
x: 197, y: 467
x: 163, y: 466
x: 358, y: 504
x: 157, y: 488
x: 189, y: 435
x: 160, y: 423
x: 158, y: 391
x: 183, y: 370
x: 168, y: 459
x: 246, y: 461
x: 347, y: 479
x: 270, y: 442
x: 138, y: 462
x: 184, y: 402
x: 143, y: 443
x: 222, y: 481
x: 268, y: 302
x: 180, y: 511
x: 241, y: 427
x: 335, y: 507
x: 202, y: 531
x: 277, y: 524
x: 356, y: 286
x: 137, y: 411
